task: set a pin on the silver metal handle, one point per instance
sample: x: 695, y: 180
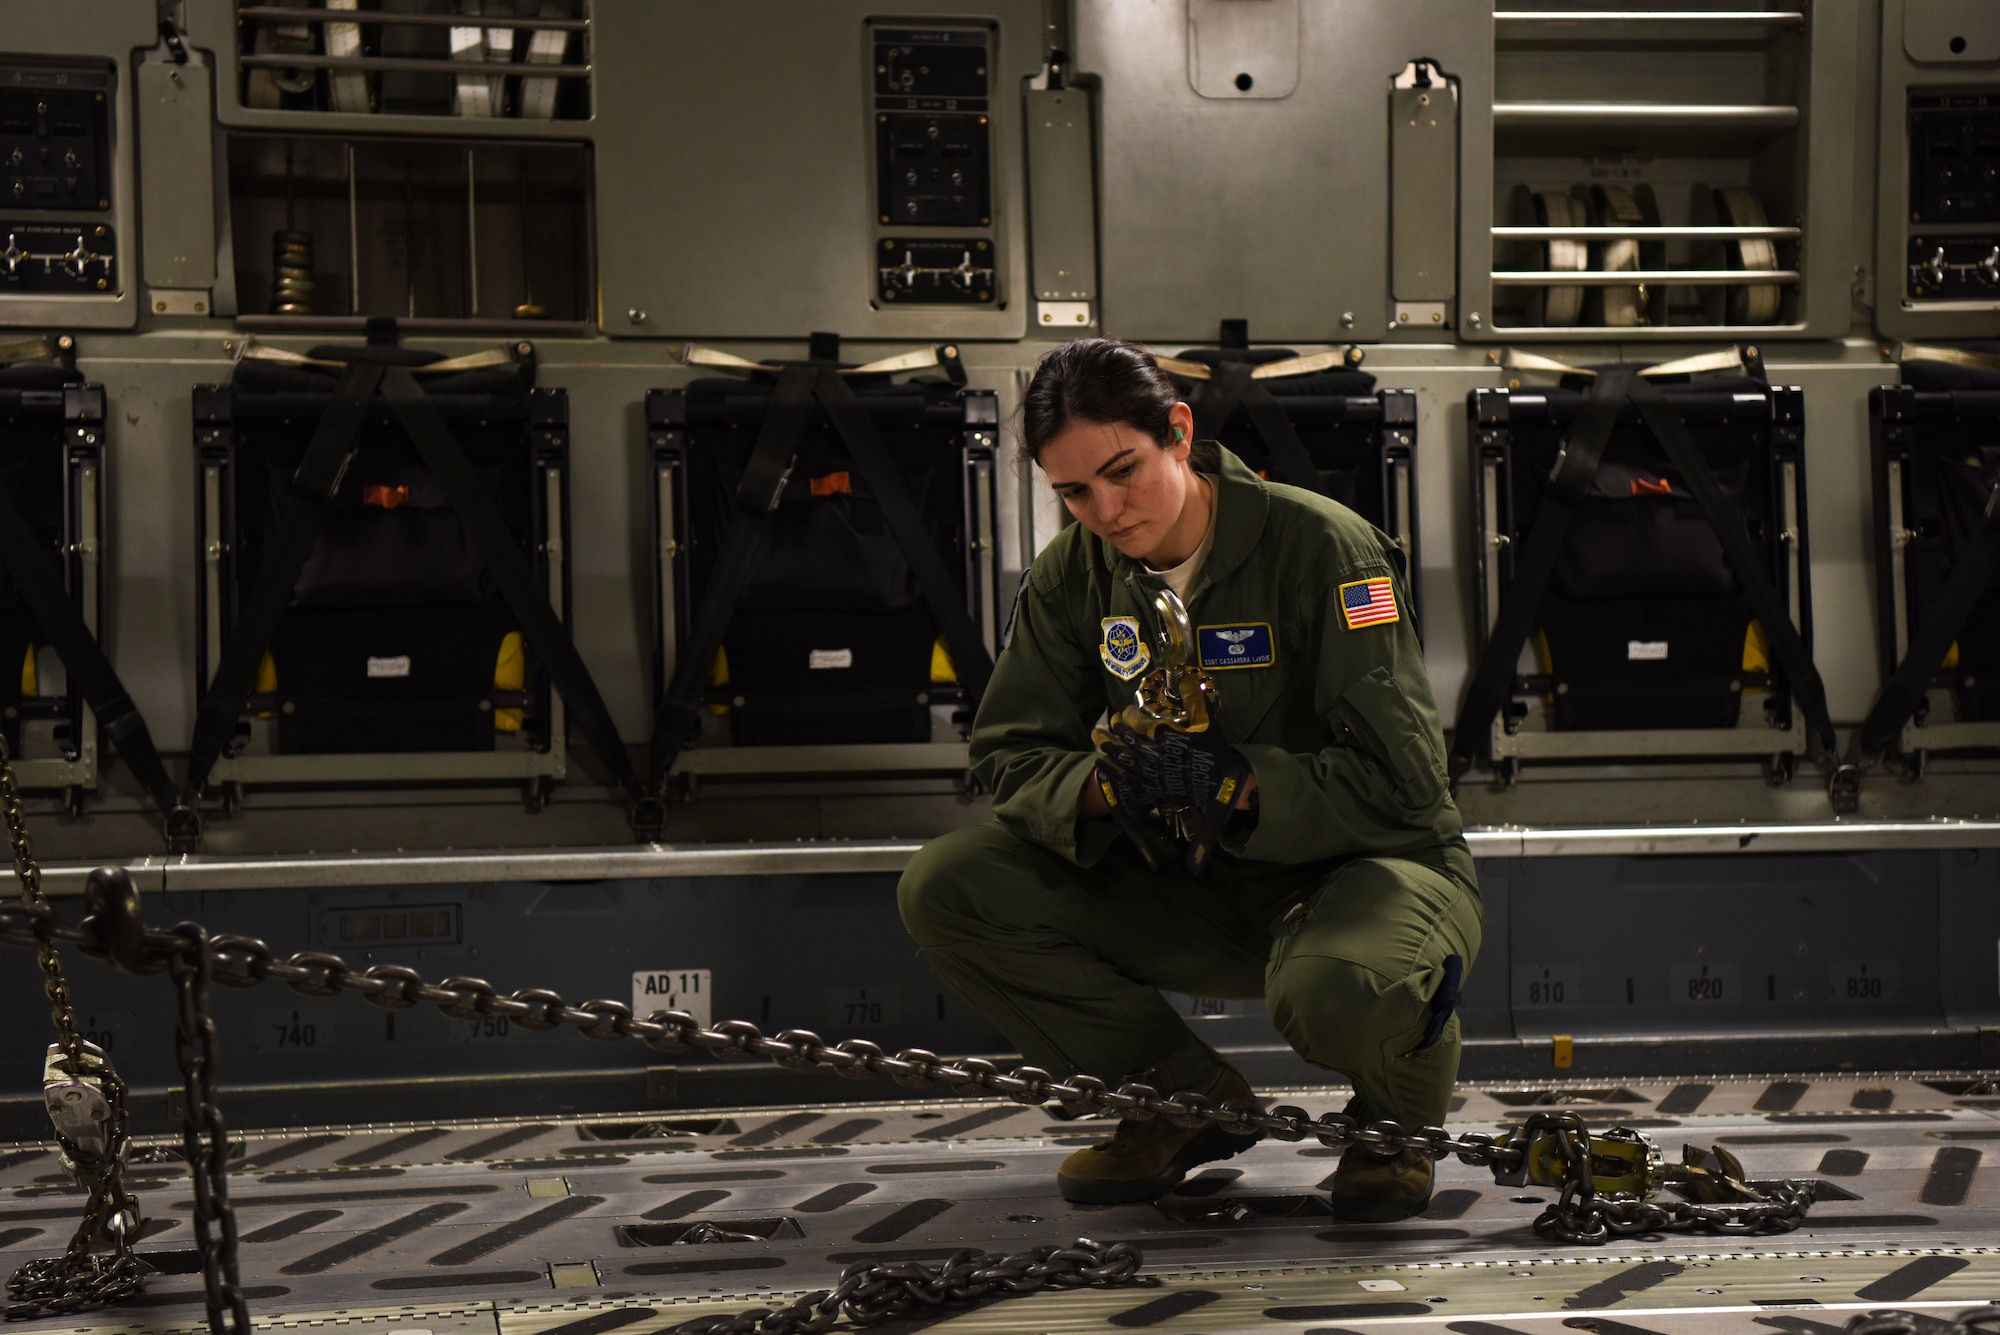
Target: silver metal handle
x: 1627, y: 277
x: 1646, y: 233
x: 397, y: 64
x: 1745, y: 18
x: 1752, y: 115
x: 286, y: 14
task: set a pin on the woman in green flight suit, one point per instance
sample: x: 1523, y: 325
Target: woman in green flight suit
x: 1342, y: 893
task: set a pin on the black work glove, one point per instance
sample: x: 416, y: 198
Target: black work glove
x: 1193, y: 768
x: 1129, y: 804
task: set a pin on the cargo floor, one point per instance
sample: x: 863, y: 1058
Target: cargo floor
x: 569, y: 1227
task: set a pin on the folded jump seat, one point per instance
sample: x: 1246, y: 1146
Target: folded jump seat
x: 386, y: 582
x: 1315, y: 422
x: 1936, y: 455
x: 832, y: 570
x: 1643, y: 534
x: 53, y: 546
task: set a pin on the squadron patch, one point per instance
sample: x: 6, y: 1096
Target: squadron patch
x: 1123, y: 651
x: 1368, y: 602
x: 1225, y: 647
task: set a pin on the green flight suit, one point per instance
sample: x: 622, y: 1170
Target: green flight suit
x: 1339, y: 907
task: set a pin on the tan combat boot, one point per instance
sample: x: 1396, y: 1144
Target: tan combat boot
x: 1368, y: 1189
x: 1146, y: 1159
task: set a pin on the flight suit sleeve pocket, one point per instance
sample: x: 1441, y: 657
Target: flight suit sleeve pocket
x: 1382, y: 720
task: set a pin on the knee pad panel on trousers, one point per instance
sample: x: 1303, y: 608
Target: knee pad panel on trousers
x: 935, y: 884
x: 970, y: 882
x: 1340, y: 1014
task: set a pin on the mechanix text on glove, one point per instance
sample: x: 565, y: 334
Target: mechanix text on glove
x: 1183, y: 767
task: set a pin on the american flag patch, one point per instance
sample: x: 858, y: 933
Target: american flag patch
x: 1368, y: 602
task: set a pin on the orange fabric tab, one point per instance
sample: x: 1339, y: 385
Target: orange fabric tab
x: 1641, y: 487
x: 386, y: 497
x: 833, y: 484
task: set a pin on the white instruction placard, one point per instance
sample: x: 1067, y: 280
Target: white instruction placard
x: 673, y: 990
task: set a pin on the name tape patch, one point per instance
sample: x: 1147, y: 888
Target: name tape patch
x: 399, y: 666
x: 1225, y: 647
x: 1369, y: 602
x: 1123, y: 651
x: 1646, y: 651
x: 820, y: 660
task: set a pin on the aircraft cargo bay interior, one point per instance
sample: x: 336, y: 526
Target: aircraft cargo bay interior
x: 1216, y: 666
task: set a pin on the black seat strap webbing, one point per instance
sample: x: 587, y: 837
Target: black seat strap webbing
x: 1970, y: 575
x: 83, y: 658
x: 968, y: 648
x: 497, y: 547
x: 1751, y: 566
x: 1492, y: 683
x: 318, y: 477
x: 1232, y: 385
x: 678, y: 716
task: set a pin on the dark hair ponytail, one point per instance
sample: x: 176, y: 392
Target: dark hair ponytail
x: 1096, y: 380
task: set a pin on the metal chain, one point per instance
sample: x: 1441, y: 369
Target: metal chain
x: 882, y: 1291
x: 74, y: 1283
x: 240, y: 961
x: 867, y: 1293
x: 204, y: 1138
x: 30, y: 876
x: 1582, y: 1215
x: 82, y: 1277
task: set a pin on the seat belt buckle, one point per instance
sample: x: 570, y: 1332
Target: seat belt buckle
x: 183, y: 828
x: 649, y: 819
x: 1843, y: 788
x: 324, y: 485
x: 764, y: 501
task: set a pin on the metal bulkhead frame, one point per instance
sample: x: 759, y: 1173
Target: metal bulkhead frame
x: 681, y: 617
x: 1912, y: 716
x: 1796, y: 724
x: 538, y: 756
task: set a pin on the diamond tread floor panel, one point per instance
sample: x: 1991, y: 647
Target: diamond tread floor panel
x: 509, y: 1228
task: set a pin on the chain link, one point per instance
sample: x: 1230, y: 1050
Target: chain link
x: 29, y: 874
x: 870, y: 1293
x: 1583, y: 1215
x: 867, y: 1293
x: 82, y: 1277
x: 204, y: 1138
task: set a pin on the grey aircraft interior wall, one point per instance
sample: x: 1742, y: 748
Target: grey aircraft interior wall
x: 733, y: 208
x: 1266, y: 209
x: 731, y: 205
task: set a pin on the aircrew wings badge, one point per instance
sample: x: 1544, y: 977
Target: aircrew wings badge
x: 1225, y: 647
x: 1124, y: 653
x: 1368, y: 602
